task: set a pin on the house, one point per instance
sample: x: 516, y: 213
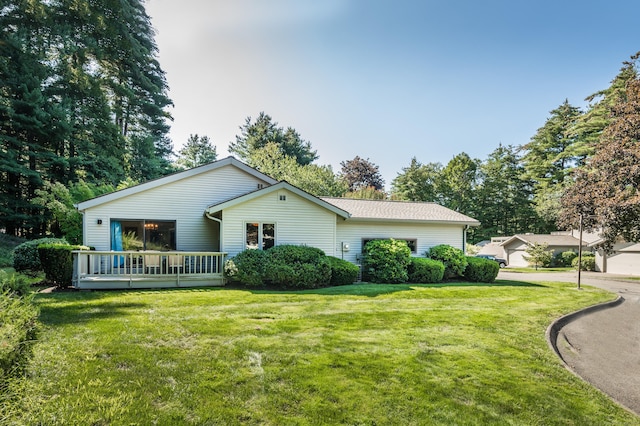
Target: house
x: 177, y: 230
x: 516, y: 246
x: 623, y: 258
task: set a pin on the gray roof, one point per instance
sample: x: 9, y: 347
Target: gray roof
x: 551, y: 240
x: 404, y: 211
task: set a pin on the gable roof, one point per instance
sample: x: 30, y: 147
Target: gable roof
x: 174, y: 178
x: 551, y: 240
x: 400, y: 211
x: 214, y: 208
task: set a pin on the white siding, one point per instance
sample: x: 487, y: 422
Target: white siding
x: 298, y: 221
x: 183, y: 201
x: 427, y: 235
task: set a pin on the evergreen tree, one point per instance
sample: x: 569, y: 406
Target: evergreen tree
x: 458, y: 183
x: 256, y: 135
x: 196, y: 152
x: 549, y: 159
x: 417, y: 182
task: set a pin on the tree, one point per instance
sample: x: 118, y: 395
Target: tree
x: 458, y: 183
x: 538, y: 255
x: 503, y: 197
x: 417, y: 182
x: 606, y: 191
x: 196, y: 152
x: 361, y: 174
x: 314, y: 179
x: 256, y: 135
x: 549, y: 159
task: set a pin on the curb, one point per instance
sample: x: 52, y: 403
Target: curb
x: 554, y: 329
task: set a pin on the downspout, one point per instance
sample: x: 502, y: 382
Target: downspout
x: 464, y: 239
x: 208, y: 216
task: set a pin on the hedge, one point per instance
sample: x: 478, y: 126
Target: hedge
x: 247, y: 268
x: 291, y: 266
x: 386, y: 261
x: 57, y: 263
x: 342, y: 271
x: 481, y: 270
x: 455, y: 262
x: 423, y: 270
x: 26, y: 257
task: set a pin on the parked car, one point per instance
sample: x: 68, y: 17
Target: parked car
x: 501, y: 262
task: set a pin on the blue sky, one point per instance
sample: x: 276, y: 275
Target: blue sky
x: 387, y: 80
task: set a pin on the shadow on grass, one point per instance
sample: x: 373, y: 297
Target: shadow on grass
x: 373, y: 290
x: 77, y: 307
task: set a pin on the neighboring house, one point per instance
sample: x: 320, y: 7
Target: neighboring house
x: 623, y: 258
x: 494, y: 247
x: 177, y: 230
x: 516, y: 246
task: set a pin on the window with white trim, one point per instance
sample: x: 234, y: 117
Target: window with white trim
x: 260, y: 235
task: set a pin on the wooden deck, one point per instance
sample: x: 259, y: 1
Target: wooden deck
x: 146, y: 269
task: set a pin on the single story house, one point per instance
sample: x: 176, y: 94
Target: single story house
x: 516, y: 246
x: 177, y: 230
x: 623, y: 258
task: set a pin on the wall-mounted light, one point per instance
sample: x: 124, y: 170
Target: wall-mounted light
x: 99, y: 221
x: 345, y: 246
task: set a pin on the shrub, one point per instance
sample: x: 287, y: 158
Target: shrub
x: 539, y: 255
x: 342, y: 271
x: 249, y: 268
x: 422, y: 270
x: 588, y: 262
x: 565, y: 258
x: 26, y: 257
x: 386, y: 261
x: 57, y: 263
x: 14, y: 284
x: 18, y: 326
x: 481, y: 270
x: 7, y: 244
x: 455, y: 262
x: 291, y: 266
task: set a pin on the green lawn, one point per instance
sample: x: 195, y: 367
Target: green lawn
x: 357, y: 355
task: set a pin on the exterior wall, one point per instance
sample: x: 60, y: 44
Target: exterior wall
x: 517, y: 250
x: 183, y: 201
x: 427, y: 235
x: 298, y: 221
x: 623, y: 262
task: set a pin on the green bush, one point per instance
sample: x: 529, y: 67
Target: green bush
x: 26, y: 257
x: 455, y: 262
x: 57, y: 263
x: 291, y: 266
x: 7, y: 244
x: 18, y: 327
x: 564, y: 259
x: 247, y: 268
x: 481, y: 270
x: 14, y: 284
x: 342, y: 271
x: 422, y: 270
x: 386, y: 261
x: 588, y: 262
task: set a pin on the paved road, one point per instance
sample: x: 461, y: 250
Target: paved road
x: 602, y: 346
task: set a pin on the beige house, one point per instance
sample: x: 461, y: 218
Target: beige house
x: 516, y: 246
x: 179, y: 229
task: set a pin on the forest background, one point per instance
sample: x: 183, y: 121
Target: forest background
x: 84, y: 110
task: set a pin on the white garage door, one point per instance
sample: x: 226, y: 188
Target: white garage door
x: 624, y: 263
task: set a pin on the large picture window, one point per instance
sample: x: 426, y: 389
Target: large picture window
x: 260, y: 235
x: 146, y: 234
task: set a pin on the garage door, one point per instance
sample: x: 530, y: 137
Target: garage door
x: 516, y: 258
x: 624, y: 263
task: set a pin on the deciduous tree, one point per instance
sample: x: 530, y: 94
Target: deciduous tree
x: 361, y: 174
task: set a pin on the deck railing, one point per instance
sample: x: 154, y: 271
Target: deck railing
x: 147, y: 266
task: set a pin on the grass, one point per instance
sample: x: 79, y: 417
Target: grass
x: 360, y: 354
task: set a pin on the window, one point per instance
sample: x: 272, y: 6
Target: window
x: 144, y: 234
x: 411, y: 242
x: 260, y: 235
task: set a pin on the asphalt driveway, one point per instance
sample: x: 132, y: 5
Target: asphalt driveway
x: 603, y: 345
